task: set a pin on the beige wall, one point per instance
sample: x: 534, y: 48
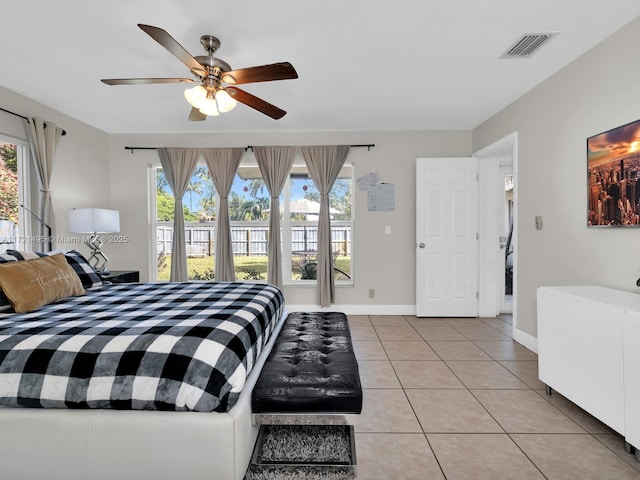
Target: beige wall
x: 599, y: 91
x: 385, y: 263
x: 80, y: 175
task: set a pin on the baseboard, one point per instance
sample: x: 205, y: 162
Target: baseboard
x: 526, y: 340
x: 357, y: 309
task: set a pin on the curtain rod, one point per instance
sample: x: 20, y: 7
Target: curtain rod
x: 369, y: 146
x: 22, y: 116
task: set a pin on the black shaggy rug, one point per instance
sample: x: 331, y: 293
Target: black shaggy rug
x: 303, y: 452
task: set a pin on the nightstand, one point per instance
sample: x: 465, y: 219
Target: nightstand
x: 122, y: 276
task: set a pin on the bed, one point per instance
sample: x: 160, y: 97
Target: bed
x: 66, y: 424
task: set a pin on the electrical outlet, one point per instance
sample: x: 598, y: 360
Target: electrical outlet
x: 372, y: 293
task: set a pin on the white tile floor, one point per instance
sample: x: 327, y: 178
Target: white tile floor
x: 457, y: 398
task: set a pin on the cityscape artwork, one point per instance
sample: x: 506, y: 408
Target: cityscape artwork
x: 613, y: 176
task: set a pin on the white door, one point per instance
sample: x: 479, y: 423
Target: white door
x: 447, y: 237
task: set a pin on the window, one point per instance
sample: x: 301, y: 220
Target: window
x: 301, y: 225
x: 249, y: 216
x: 13, y: 191
x: 199, y: 206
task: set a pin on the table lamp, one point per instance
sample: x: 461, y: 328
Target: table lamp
x: 95, y: 221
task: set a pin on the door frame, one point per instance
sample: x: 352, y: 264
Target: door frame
x: 491, y: 157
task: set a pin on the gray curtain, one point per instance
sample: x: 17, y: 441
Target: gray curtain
x: 275, y: 164
x: 43, y: 139
x: 324, y: 164
x: 178, y: 165
x: 223, y: 164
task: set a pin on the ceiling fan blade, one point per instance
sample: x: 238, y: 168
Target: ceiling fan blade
x: 168, y: 42
x: 196, y: 115
x: 144, y: 81
x: 263, y: 73
x: 256, y: 103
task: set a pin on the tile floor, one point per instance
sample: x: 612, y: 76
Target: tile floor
x: 457, y: 398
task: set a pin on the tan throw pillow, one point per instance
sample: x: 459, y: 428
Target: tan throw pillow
x: 30, y: 284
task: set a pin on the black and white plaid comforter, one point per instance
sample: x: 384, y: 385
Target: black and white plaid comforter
x: 153, y: 346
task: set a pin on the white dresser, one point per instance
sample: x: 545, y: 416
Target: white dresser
x: 589, y: 351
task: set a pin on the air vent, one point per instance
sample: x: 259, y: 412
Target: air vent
x: 528, y: 44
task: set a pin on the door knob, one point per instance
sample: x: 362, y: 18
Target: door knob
x: 421, y: 245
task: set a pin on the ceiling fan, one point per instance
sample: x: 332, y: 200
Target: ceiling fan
x: 216, y: 91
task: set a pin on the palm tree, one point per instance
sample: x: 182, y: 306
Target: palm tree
x: 207, y: 204
x: 236, y: 207
x: 162, y: 186
x: 339, y: 197
x: 256, y: 209
x: 193, y: 187
x: 256, y: 185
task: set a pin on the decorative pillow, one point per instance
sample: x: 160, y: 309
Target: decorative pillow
x: 30, y: 284
x: 7, y: 257
x: 28, y: 255
x: 4, y: 301
x: 25, y: 255
x: 88, y: 275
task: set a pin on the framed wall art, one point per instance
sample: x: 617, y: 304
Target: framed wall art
x: 613, y: 177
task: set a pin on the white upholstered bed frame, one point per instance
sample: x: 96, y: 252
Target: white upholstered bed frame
x: 59, y: 444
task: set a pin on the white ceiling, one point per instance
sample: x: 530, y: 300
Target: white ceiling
x: 362, y: 64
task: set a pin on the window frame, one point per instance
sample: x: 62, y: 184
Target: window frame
x: 285, y: 224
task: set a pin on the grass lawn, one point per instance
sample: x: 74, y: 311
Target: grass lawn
x: 247, y: 268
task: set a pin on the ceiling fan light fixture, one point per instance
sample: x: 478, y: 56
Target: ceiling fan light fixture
x: 214, y: 73
x: 226, y: 102
x: 209, y: 107
x: 196, y: 96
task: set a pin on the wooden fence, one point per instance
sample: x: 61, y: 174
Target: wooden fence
x: 251, y: 240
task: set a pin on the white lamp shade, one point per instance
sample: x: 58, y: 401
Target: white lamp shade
x: 94, y: 220
x: 209, y: 107
x: 196, y: 96
x: 226, y: 102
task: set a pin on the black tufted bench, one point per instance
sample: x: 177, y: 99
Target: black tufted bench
x: 311, y: 369
x: 310, y: 378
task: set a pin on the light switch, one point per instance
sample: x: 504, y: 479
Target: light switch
x: 387, y: 229
x: 538, y: 223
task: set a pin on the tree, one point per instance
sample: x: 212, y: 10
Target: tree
x: 256, y: 185
x: 339, y: 197
x: 207, y: 202
x: 9, y: 154
x: 162, y: 186
x: 199, y: 180
x: 255, y: 209
x: 165, y: 205
x: 8, y: 182
x: 193, y: 187
x: 165, y: 202
x: 236, y: 207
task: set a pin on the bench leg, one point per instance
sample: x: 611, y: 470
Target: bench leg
x: 628, y: 447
